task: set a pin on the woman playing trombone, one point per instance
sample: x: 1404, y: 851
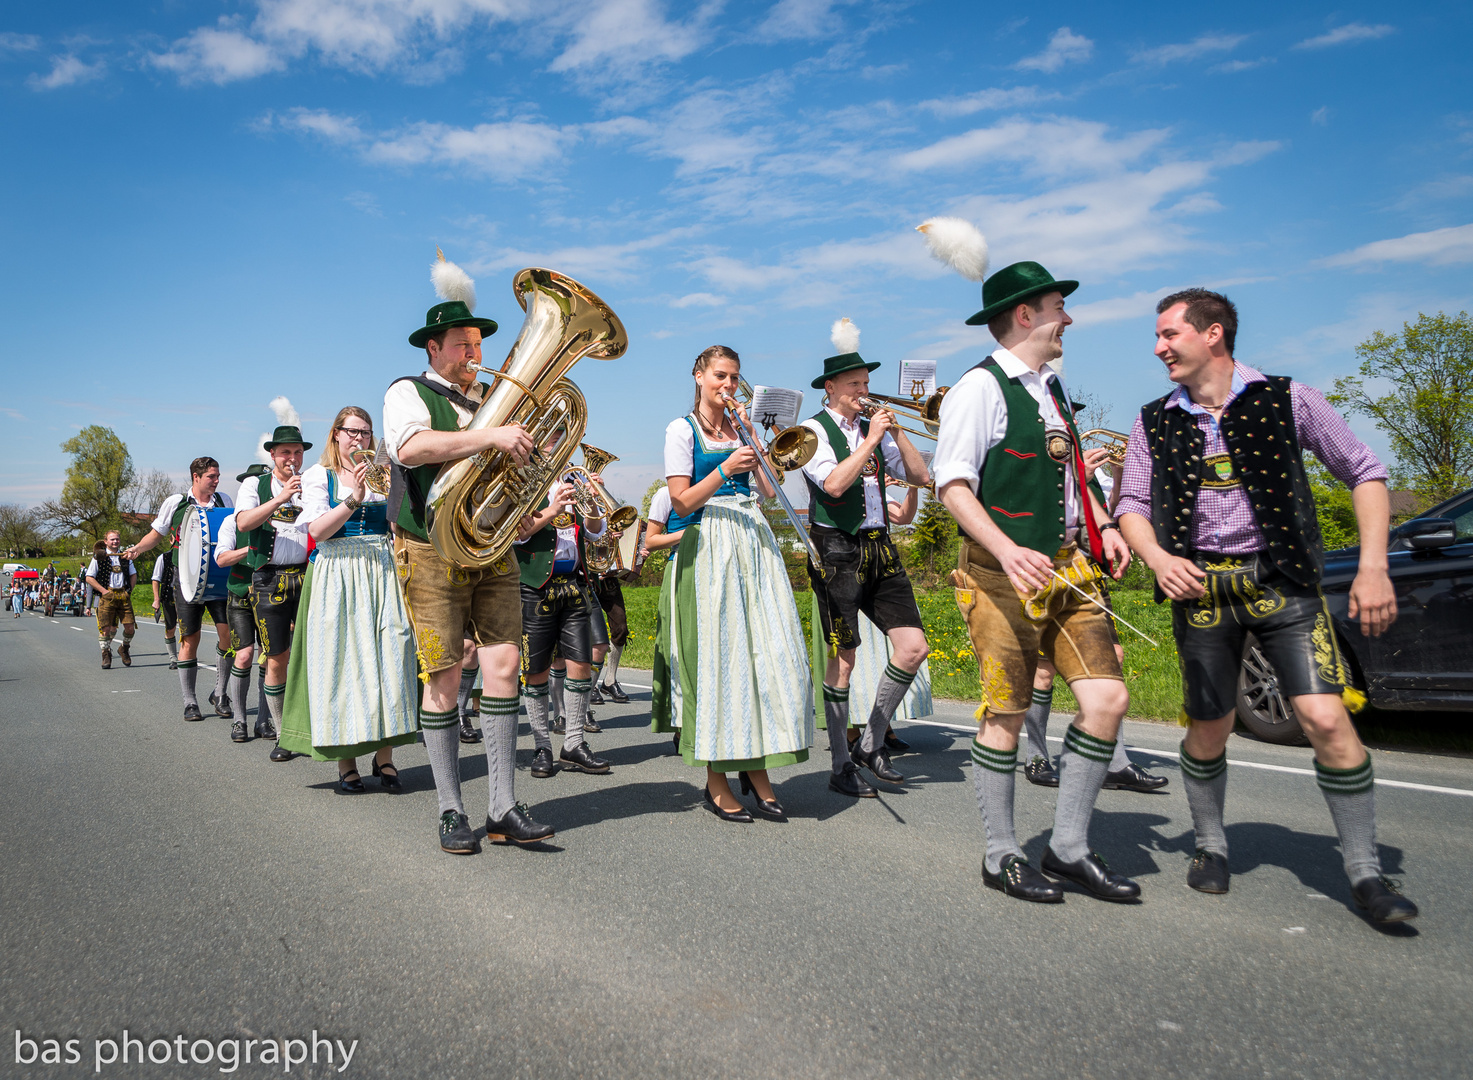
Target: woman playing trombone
x: 731, y: 670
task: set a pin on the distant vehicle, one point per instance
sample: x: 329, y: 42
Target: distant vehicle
x: 1425, y: 661
x: 12, y: 567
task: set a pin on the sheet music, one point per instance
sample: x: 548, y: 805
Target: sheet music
x: 917, y: 378
x: 776, y: 407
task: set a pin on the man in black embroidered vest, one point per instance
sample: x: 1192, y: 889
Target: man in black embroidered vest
x: 266, y: 522
x: 425, y: 418
x: 1009, y: 467
x: 113, y: 575
x: 1216, y: 502
x: 861, y: 570
x: 204, y: 478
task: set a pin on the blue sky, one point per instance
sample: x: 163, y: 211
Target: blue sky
x: 208, y: 205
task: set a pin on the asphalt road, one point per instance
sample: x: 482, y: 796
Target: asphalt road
x: 161, y: 879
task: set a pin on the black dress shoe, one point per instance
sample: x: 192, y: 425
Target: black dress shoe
x: 1134, y: 778
x: 389, y: 780
x: 581, y: 758
x: 558, y: 724
x: 894, y: 743
x: 191, y: 712
x: 850, y: 783
x: 516, y: 827
x: 1381, y: 899
x: 877, y: 761
x: 726, y: 815
x: 1092, y: 875
x: 1208, y: 872
x: 615, y: 693
x: 1019, y: 879
x: 221, y: 706
x: 281, y: 753
x: 456, y: 835
x: 468, y: 734
x: 675, y: 740
x: 591, y: 725
x: 265, y: 729
x: 771, y: 809
x: 238, y: 732
x: 594, y: 697
x: 350, y: 786
x: 542, y: 764
x: 1041, y: 771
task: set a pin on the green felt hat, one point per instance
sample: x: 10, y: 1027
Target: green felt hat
x: 837, y: 365
x: 444, y: 316
x: 286, y: 433
x: 251, y: 470
x: 1012, y: 285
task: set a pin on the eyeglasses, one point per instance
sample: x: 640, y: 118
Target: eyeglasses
x: 357, y: 432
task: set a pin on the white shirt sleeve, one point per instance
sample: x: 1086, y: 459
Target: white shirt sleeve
x: 91, y: 570
x: 166, y: 514
x: 660, y: 507
x: 823, y: 460
x: 250, y: 496
x: 225, y: 541
x: 894, y: 463
x: 315, y: 501
x: 405, y: 414
x: 161, y: 561
x: 680, y: 449
x: 973, y: 420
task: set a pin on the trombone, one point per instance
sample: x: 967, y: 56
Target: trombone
x: 790, y: 448
x: 768, y: 469
x: 926, y: 410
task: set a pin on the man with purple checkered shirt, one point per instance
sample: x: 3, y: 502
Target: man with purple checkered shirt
x: 1215, y: 501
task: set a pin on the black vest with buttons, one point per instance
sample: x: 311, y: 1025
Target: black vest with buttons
x: 1258, y: 430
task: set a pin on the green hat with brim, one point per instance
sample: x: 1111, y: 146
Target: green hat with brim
x: 251, y: 470
x: 283, y: 435
x: 837, y: 365
x: 447, y: 315
x: 1012, y: 285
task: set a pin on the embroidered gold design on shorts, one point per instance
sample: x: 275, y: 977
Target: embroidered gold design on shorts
x: 1326, y: 653
x: 431, y: 652
x: 457, y: 576
x: 994, y: 682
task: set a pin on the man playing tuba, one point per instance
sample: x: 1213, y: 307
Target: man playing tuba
x: 424, y: 420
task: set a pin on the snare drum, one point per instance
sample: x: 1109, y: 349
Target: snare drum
x: 201, y: 578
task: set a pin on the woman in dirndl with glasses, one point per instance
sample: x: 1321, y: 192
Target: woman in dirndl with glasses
x: 731, y: 667
x: 351, y: 685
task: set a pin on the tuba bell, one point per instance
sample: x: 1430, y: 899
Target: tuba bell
x: 476, y: 504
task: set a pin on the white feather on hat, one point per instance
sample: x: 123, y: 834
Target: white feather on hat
x: 262, y: 454
x: 958, y: 243
x: 285, y: 414
x: 451, y: 282
x: 845, y: 336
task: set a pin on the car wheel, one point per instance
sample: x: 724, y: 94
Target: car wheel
x: 1262, y: 706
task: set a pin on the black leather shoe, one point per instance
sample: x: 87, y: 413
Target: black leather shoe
x: 594, y: 697
x: 591, y: 725
x: 1134, y: 778
x: 350, y: 782
x: 726, y: 815
x: 877, y: 761
x: 191, y: 712
x: 1381, y: 899
x: 389, y: 780
x: 515, y: 827
x: 1208, y: 872
x: 456, y: 835
x: 894, y: 743
x: 238, y: 732
x: 1092, y: 875
x: 771, y: 809
x: 265, y: 729
x: 468, y: 734
x: 1022, y: 881
x: 675, y: 740
x: 281, y: 753
x: 221, y: 707
x: 850, y: 783
x: 581, y: 758
x: 615, y: 693
x: 558, y: 724
x: 1041, y: 771
x: 542, y: 764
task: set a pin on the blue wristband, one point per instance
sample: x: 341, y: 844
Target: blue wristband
x: 721, y: 472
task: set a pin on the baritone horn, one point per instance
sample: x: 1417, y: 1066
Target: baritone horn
x: 476, y: 504
x: 376, y: 479
x: 1113, y: 441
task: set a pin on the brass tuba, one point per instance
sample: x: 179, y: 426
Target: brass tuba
x: 476, y: 505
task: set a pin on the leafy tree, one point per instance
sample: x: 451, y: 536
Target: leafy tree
x: 148, y: 491
x: 100, y: 472
x: 1333, y: 507
x: 1428, y: 413
x: 933, y: 534
x: 18, y: 529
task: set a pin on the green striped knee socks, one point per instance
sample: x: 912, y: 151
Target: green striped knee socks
x: 1082, y: 769
x: 441, y: 732
x: 1205, y: 782
x: 1351, y: 795
x: 577, y: 699
x: 1036, y: 721
x: 536, y: 698
x: 188, y: 673
x: 836, y: 716
x: 992, y: 779
x: 894, y: 685
x: 499, y: 728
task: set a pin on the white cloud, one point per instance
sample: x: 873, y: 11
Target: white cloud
x: 601, y: 261
x: 1320, y: 116
x: 1053, y: 147
x: 66, y: 70
x: 10, y: 42
x: 319, y: 122
x: 505, y: 151
x: 1116, y: 309
x: 1344, y: 35
x: 698, y: 299
x: 1232, y: 67
x: 373, y: 34
x: 618, y: 36
x: 1064, y: 47
x: 1189, y: 50
x: 990, y: 100
x: 799, y: 20
x: 219, y: 55
x: 1440, y: 247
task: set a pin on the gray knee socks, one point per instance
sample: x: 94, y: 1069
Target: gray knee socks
x: 555, y: 679
x: 1351, y: 795
x: 173, y: 648
x: 1206, y: 787
x: 992, y: 778
x: 442, y: 743
x: 1120, y: 759
x: 1082, y: 768
x: 222, y: 673
x: 577, y: 710
x: 894, y: 685
x: 1036, y: 721
x: 240, y: 679
x: 536, y: 699
x: 611, y: 668
x: 836, y: 716
x: 188, y: 673
x: 467, y: 684
x: 499, y: 729
x: 275, y: 698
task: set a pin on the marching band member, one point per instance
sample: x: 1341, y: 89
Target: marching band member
x: 113, y: 575
x: 204, y: 478
x: 861, y: 572
x: 242, y: 624
x: 1234, y: 541
x: 351, y: 684
x: 424, y: 418
x: 610, y: 595
x: 555, y: 613
x: 1008, y: 467
x: 163, y: 604
x: 268, y: 514
x: 730, y: 649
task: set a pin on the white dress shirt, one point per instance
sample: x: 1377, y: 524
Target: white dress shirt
x: 974, y: 419
x: 824, y: 461
x: 405, y: 412
x: 291, y: 536
x: 659, y: 507
x: 680, y: 448
x: 163, y: 522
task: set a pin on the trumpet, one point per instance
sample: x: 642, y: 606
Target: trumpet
x: 1113, y: 441
x: 790, y: 448
x: 926, y: 410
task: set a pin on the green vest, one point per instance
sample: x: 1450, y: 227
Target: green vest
x: 847, y: 510
x: 536, y: 556
x: 262, y: 539
x: 1022, y: 488
x: 411, y: 515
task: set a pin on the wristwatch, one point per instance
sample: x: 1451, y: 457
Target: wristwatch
x: 1110, y: 525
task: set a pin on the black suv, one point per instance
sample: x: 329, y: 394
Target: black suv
x: 1425, y: 661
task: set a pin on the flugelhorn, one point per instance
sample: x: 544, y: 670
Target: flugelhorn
x: 476, y: 504
x: 376, y: 479
x: 926, y: 410
x: 1113, y: 441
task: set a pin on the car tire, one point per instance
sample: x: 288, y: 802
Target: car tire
x: 1262, y: 707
